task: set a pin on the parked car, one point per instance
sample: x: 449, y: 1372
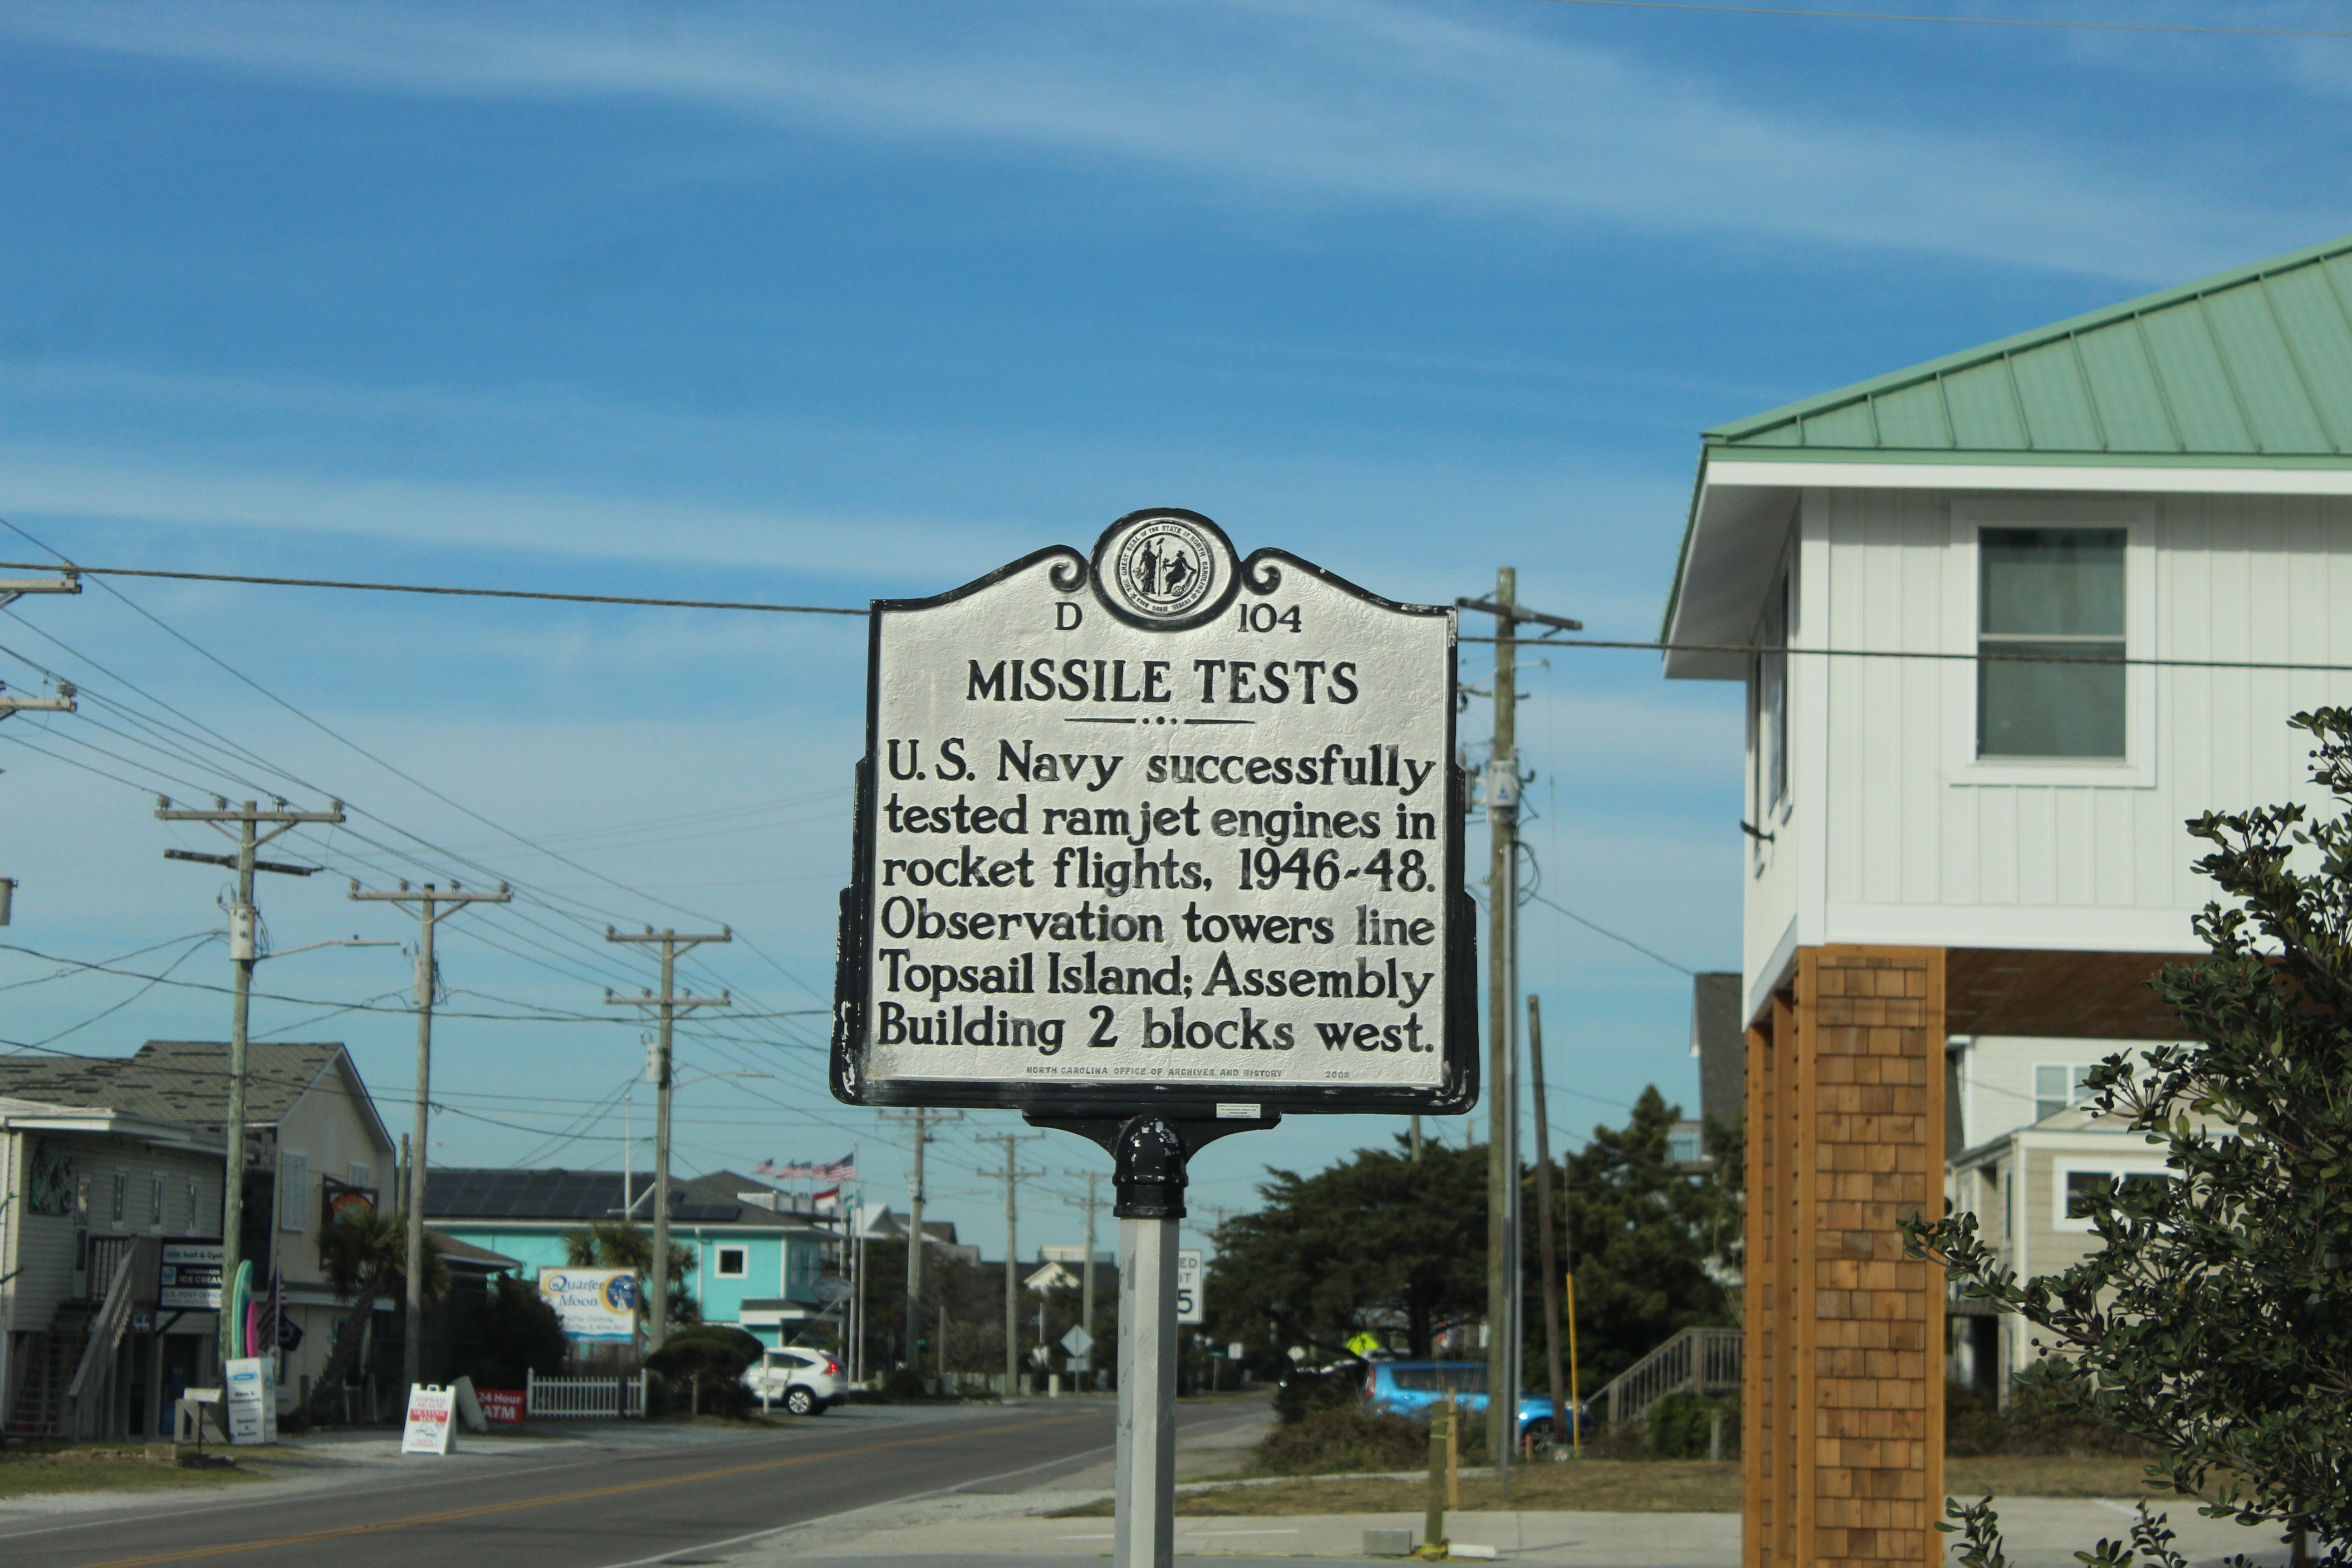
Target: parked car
x: 1415, y: 1387
x: 805, y: 1381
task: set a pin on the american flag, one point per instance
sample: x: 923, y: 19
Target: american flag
x: 842, y: 1170
x: 263, y: 1316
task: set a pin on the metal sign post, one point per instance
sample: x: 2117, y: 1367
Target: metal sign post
x: 1154, y: 845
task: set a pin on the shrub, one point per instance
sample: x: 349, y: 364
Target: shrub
x: 517, y: 1331
x: 1682, y: 1425
x: 1303, y: 1393
x: 1339, y: 1439
x: 711, y: 1359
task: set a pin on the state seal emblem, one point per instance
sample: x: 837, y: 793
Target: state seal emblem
x: 1166, y: 569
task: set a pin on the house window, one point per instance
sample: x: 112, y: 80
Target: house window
x: 1768, y: 700
x: 2057, y: 1087
x: 194, y: 1221
x: 731, y: 1263
x: 2078, y: 1188
x: 121, y: 1199
x: 156, y: 1201
x: 2047, y: 594
x: 294, y: 1190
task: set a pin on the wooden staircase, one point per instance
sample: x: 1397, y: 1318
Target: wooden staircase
x: 1696, y: 1360
x: 48, y: 1370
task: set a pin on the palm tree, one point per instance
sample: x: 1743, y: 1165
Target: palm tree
x: 616, y: 1244
x: 365, y: 1258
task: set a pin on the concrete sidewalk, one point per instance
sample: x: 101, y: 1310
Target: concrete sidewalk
x: 990, y: 1524
x: 961, y: 1532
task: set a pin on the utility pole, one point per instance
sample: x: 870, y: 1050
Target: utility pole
x: 11, y: 590
x: 1086, y: 1288
x: 243, y: 954
x: 431, y: 904
x: 1545, y: 1248
x: 1502, y: 797
x: 923, y: 1121
x: 1012, y: 1175
x: 670, y: 1003
x: 63, y: 703
x: 1502, y: 908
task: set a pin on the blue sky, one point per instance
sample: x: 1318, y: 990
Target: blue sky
x: 822, y: 302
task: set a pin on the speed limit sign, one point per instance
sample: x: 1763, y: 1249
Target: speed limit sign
x: 1188, y: 1285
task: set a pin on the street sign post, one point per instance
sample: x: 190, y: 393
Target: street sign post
x: 1153, y: 845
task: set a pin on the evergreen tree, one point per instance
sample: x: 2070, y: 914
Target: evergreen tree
x: 1645, y: 1240
x: 2216, y: 1320
x: 1376, y: 1236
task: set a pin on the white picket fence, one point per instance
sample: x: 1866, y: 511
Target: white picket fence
x: 586, y: 1398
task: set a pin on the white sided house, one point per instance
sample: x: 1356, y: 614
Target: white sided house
x: 2005, y: 620
x: 144, y: 1166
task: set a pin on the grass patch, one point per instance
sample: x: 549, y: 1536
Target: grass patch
x: 1615, y: 1486
x: 1588, y: 1486
x: 1973, y: 1479
x: 44, y: 1469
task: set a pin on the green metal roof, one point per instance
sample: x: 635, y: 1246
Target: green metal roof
x: 2249, y: 367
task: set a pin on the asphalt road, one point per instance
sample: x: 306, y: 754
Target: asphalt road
x: 661, y: 1497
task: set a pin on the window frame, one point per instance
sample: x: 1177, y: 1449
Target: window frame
x: 742, y: 1269
x: 2110, y: 1165
x: 2075, y: 1072
x: 2136, y: 769
x: 294, y: 1190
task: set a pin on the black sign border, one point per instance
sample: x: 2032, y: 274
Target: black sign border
x: 1454, y: 1094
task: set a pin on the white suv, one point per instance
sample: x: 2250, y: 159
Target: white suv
x: 805, y: 1381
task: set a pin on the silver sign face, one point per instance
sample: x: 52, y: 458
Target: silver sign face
x: 1159, y: 828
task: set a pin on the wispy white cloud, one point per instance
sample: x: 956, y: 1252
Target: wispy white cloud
x: 1364, y: 101
x: 115, y: 486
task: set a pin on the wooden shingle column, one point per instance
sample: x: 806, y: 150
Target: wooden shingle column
x: 1843, y: 1416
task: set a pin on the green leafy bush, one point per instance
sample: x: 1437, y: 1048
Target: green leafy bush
x: 2045, y: 1419
x: 710, y: 1358
x: 1682, y: 1427
x: 1334, y: 1439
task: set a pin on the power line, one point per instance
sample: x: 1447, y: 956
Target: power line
x: 1613, y: 936
x: 72, y: 568
x: 1959, y: 21
x: 1976, y: 656
x: 547, y: 1015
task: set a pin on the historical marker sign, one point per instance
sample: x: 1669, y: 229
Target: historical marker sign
x: 1159, y: 829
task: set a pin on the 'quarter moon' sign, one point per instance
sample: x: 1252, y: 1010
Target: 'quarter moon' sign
x: 1159, y: 829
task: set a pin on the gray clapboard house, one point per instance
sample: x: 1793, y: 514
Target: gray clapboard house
x: 103, y: 1159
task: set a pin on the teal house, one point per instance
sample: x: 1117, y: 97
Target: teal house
x: 757, y: 1259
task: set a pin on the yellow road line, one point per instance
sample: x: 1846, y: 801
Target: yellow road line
x: 479, y: 1510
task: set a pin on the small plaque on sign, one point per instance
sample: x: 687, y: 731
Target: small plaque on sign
x: 1140, y: 830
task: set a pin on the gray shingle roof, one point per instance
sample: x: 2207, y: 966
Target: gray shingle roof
x: 176, y: 1081
x: 454, y: 1194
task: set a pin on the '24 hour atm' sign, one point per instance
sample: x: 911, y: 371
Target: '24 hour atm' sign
x: 1159, y: 828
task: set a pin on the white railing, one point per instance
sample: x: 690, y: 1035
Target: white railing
x: 1696, y: 1360
x: 90, y: 1395
x: 586, y: 1398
